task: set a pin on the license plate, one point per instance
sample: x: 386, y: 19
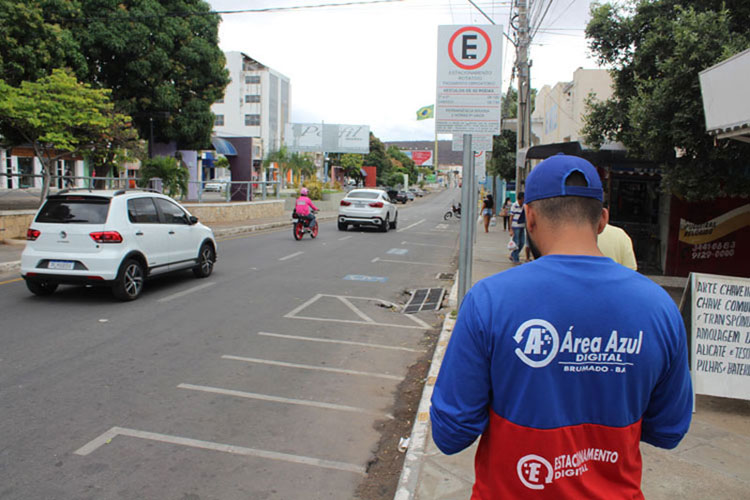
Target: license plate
x: 359, y: 204
x: 64, y: 265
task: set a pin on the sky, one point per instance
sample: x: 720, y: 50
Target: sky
x: 376, y: 64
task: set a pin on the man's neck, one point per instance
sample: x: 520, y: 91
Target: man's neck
x: 571, y: 240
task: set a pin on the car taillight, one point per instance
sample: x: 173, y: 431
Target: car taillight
x: 345, y: 203
x: 32, y: 234
x: 106, y: 237
x: 377, y: 204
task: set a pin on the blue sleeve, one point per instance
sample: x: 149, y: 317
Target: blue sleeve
x: 667, y: 417
x: 462, y: 395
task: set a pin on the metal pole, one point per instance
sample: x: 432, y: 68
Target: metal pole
x: 151, y: 137
x: 523, y: 86
x: 465, y: 251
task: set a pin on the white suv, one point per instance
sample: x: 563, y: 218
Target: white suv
x: 367, y: 207
x: 113, y: 238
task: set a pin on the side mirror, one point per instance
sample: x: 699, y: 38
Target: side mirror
x: 193, y: 220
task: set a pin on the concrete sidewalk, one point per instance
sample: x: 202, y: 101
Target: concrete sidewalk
x: 10, y: 253
x: 711, y: 462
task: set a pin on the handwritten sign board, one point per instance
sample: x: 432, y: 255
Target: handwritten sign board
x: 720, y: 335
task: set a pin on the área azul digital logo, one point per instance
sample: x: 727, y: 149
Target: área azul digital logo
x: 538, y: 342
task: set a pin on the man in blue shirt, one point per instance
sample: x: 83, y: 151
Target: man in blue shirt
x: 565, y: 364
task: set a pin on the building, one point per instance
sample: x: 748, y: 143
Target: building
x: 561, y: 108
x: 256, y: 104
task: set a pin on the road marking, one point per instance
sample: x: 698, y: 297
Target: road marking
x: 362, y: 277
x: 426, y: 244
x: 344, y: 342
x: 294, y: 313
x: 410, y: 262
x: 375, y: 259
x: 185, y: 292
x: 311, y: 367
x: 10, y: 281
x: 291, y: 256
x: 398, y: 251
x: 277, y: 399
x: 410, y: 226
x: 208, y: 445
x: 345, y: 238
x: 356, y: 311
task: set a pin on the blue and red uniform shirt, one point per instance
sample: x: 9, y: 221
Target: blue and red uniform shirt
x: 563, y: 366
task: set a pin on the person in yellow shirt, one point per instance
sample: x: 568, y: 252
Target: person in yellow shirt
x: 615, y: 243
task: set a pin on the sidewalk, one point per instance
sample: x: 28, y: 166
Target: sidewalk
x: 710, y: 462
x: 10, y: 253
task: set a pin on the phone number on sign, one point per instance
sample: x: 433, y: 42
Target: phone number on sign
x: 714, y: 250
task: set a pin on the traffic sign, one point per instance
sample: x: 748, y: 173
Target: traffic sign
x: 479, y: 142
x: 469, y: 80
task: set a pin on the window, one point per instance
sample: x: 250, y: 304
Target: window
x: 252, y: 78
x: 81, y: 209
x: 142, y: 211
x: 219, y: 121
x: 252, y: 120
x: 171, y: 213
x: 252, y: 98
x: 220, y: 101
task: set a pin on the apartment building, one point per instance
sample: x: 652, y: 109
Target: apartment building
x: 561, y: 108
x: 256, y: 104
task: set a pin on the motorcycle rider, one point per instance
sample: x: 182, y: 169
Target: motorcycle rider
x: 303, y: 207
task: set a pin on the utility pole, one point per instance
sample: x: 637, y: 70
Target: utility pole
x: 524, y: 88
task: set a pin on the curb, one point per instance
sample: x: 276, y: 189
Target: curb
x: 9, y: 267
x: 409, y: 479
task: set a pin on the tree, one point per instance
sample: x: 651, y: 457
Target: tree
x: 173, y: 175
x: 281, y: 158
x: 115, y: 146
x: 57, y: 116
x: 352, y: 164
x: 503, y: 160
x: 510, y: 103
x: 401, y: 159
x: 301, y: 164
x: 657, y: 48
x: 378, y: 158
x: 160, y: 57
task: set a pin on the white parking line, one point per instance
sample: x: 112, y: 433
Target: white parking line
x: 108, y: 436
x: 185, y: 292
x: 310, y: 367
x: 344, y: 342
x: 277, y: 399
x: 426, y: 244
x: 345, y: 238
x: 410, y: 226
x: 356, y: 311
x: 408, y: 262
x: 291, y: 256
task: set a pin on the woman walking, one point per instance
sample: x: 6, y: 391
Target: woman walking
x: 505, y: 214
x: 489, y: 204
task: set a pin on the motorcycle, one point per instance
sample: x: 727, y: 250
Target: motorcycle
x: 455, y: 211
x: 301, y: 225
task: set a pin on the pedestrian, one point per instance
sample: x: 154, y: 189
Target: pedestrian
x: 563, y: 365
x: 517, y: 228
x: 615, y: 243
x: 488, y: 207
x: 505, y: 214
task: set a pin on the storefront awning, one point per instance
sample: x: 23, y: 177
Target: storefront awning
x: 223, y: 146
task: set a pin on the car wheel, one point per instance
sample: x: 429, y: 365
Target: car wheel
x: 206, y: 259
x: 129, y: 282
x: 385, y: 224
x: 41, y: 288
x: 395, y: 222
x: 343, y: 226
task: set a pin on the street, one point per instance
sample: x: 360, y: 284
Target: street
x: 263, y: 381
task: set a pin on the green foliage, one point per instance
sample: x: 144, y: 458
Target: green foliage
x: 115, y: 146
x: 378, y: 158
x: 657, y: 48
x: 57, y: 116
x: 315, y: 189
x: 173, y: 175
x: 503, y: 160
x: 301, y: 164
x: 510, y: 103
x: 221, y: 162
x: 406, y: 164
x: 352, y: 163
x: 164, y: 67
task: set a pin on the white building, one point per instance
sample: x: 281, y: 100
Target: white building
x: 256, y: 103
x: 561, y: 108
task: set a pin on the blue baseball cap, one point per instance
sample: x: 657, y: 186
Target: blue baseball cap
x: 547, y: 180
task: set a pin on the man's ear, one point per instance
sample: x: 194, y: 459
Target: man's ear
x: 531, y: 217
x: 603, y: 220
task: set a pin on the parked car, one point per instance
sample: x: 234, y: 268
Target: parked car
x: 115, y: 239
x: 417, y: 192
x: 367, y: 207
x: 410, y: 196
x: 398, y: 196
x: 215, y: 185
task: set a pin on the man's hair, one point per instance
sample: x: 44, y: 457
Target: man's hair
x: 571, y: 209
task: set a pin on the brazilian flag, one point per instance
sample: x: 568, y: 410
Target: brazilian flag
x: 426, y: 112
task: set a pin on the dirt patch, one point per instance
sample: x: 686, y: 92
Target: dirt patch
x: 384, y: 469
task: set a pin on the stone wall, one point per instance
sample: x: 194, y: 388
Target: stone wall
x: 329, y: 205
x: 14, y: 223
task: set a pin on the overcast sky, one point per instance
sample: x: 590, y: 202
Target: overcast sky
x: 375, y: 64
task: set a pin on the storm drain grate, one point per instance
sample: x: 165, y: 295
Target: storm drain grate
x: 445, y: 276
x: 424, y: 299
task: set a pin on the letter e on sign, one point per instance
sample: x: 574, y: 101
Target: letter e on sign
x: 469, y: 45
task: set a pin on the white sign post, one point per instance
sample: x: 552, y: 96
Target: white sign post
x: 469, y: 91
x: 479, y: 142
x: 720, y: 335
x: 480, y: 166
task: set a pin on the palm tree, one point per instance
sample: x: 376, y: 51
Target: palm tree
x: 281, y: 158
x: 301, y: 165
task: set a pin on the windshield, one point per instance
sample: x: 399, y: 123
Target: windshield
x: 74, y: 209
x: 369, y: 195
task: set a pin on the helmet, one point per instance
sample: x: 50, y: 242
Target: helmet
x: 303, y: 192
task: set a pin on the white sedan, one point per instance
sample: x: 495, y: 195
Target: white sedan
x: 367, y: 207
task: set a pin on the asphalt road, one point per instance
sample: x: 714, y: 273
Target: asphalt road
x: 263, y: 381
